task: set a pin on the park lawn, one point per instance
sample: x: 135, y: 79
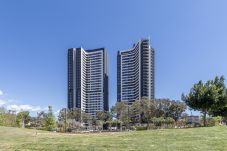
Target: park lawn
x: 193, y: 139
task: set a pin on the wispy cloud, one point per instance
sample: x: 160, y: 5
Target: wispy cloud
x: 2, y: 102
x: 57, y: 113
x: 1, y: 92
x: 23, y: 107
x: 18, y: 106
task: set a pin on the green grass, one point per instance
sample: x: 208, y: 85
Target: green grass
x: 195, y: 139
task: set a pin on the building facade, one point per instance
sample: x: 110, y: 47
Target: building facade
x: 88, y: 80
x: 136, y: 72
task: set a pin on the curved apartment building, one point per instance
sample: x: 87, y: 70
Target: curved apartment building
x: 87, y: 80
x: 135, y: 72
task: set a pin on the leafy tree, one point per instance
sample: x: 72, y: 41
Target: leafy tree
x: 113, y: 123
x: 159, y: 107
x: 73, y: 118
x: 49, y: 120
x: 10, y: 118
x: 2, y: 113
x: 141, y: 111
x: 136, y: 111
x: 2, y: 116
x: 62, y: 114
x: 149, y: 111
x: 62, y: 119
x: 207, y: 97
x: 33, y: 122
x: 86, y: 117
x: 158, y: 121
x: 169, y: 121
x: 103, y: 117
x: 220, y: 106
x: 169, y: 108
x: 40, y: 120
x: 162, y: 106
x: 121, y: 111
x: 74, y: 113
x: 175, y: 110
x: 22, y: 118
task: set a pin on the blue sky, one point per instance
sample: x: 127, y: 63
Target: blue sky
x: 189, y: 37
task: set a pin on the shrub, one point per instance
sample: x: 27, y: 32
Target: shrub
x: 213, y: 121
x: 140, y: 128
x: 158, y: 122
x: 193, y: 124
x: 133, y: 128
x: 210, y: 121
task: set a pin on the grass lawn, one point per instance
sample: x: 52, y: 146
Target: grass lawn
x: 195, y: 139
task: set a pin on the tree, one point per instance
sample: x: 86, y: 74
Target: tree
x: 221, y: 112
x: 22, y: 118
x: 62, y: 119
x: 40, y: 122
x: 149, y: 111
x: 121, y: 111
x: 2, y: 116
x: 49, y: 120
x: 141, y: 111
x: 9, y: 118
x: 175, y: 110
x: 169, y: 121
x: 103, y: 117
x: 74, y: 113
x: 206, y: 97
x: 136, y: 112
x: 220, y: 106
x: 86, y: 118
x: 33, y: 122
x: 160, y: 107
x: 158, y: 121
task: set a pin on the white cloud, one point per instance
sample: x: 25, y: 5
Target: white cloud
x: 57, y: 113
x: 45, y: 109
x: 2, y: 102
x: 23, y: 107
x: 1, y: 93
x: 15, y: 105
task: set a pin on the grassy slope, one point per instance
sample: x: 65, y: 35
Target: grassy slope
x: 200, y: 139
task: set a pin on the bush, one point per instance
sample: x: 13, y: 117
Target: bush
x: 141, y: 128
x: 210, y: 121
x: 213, y: 121
x: 41, y: 128
x: 133, y: 128
x: 193, y: 124
x: 152, y: 126
x: 218, y: 120
x: 158, y: 122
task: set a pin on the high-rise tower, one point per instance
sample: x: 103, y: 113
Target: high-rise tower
x: 135, y: 72
x: 88, y: 80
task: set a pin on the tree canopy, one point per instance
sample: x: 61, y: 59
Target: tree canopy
x: 49, y: 119
x: 207, y: 97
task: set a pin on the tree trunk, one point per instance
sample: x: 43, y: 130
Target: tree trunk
x: 140, y: 118
x: 205, y: 119
x: 23, y: 123
x: 65, y: 120
x: 121, y: 126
